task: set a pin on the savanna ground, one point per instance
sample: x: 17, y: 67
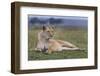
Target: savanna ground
x: 77, y: 37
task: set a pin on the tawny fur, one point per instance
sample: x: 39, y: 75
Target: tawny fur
x: 45, y: 40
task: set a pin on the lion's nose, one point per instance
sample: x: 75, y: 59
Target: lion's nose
x: 51, y: 35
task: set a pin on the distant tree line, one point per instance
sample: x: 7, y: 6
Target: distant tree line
x: 36, y: 20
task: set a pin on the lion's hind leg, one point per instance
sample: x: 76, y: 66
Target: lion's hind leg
x: 67, y: 44
x: 70, y: 49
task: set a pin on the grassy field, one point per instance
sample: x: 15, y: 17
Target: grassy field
x: 76, y: 36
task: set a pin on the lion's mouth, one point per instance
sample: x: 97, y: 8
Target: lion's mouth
x: 48, y: 39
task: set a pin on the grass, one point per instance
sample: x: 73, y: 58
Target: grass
x: 76, y: 36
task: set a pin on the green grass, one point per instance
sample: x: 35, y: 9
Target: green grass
x: 76, y: 36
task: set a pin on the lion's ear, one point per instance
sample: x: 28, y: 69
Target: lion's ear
x: 53, y: 27
x: 44, y: 28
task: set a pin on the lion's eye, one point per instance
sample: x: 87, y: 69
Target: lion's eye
x: 48, y: 31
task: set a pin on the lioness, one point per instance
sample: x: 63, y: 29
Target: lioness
x: 47, y: 44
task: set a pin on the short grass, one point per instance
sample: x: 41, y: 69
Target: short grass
x: 76, y: 36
